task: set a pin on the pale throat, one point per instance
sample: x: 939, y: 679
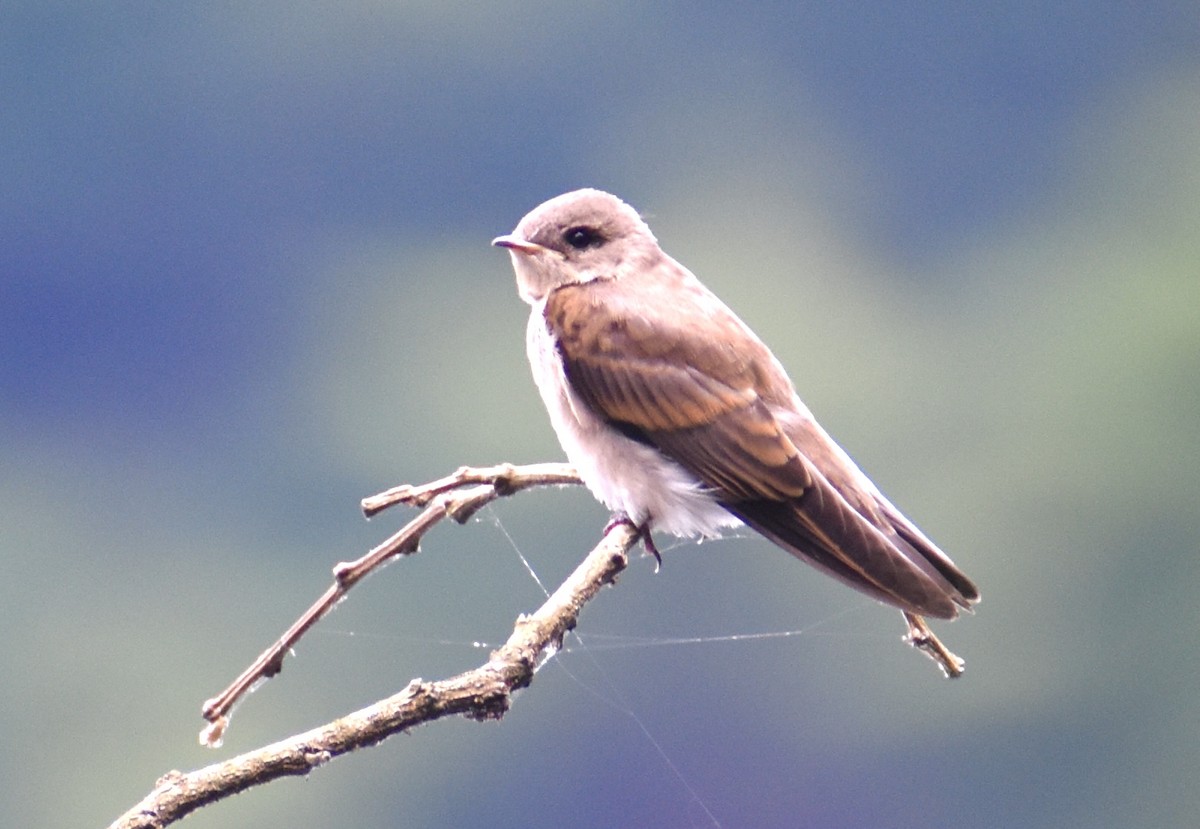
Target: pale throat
x: 535, y: 277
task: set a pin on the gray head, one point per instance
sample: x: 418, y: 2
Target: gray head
x: 577, y: 237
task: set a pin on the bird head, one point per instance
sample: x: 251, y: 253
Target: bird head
x: 577, y: 237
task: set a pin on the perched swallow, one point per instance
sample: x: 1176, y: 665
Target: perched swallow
x: 677, y: 416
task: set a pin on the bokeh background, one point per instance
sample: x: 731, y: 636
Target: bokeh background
x: 245, y: 280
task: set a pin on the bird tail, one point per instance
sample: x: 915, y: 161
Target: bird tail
x: 882, y: 555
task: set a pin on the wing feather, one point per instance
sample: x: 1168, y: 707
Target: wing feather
x: 677, y: 370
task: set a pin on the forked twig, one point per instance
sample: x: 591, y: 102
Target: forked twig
x: 484, y: 693
x: 505, y: 477
x: 456, y: 496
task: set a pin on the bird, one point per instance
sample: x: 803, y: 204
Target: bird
x: 681, y: 420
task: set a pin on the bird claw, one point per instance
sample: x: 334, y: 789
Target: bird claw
x: 643, y: 534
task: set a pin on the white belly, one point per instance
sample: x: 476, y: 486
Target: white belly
x: 624, y: 474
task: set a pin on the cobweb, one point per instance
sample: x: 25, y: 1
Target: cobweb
x: 600, y: 684
x: 606, y: 691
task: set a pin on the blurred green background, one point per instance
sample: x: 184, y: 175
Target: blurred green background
x: 245, y: 280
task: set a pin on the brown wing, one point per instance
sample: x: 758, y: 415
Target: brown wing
x: 668, y: 364
x: 849, y: 482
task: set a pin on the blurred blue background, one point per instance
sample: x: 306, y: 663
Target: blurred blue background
x: 245, y: 280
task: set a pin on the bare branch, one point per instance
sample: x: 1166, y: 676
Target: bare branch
x: 921, y: 637
x: 456, y: 496
x: 482, y: 694
x: 505, y: 477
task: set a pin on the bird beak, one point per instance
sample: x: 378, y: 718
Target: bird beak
x: 517, y: 244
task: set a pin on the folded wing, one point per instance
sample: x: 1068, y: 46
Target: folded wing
x: 694, y: 382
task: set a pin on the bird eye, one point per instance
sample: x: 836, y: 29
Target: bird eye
x: 582, y: 237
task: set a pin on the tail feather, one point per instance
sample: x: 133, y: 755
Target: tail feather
x: 893, y: 563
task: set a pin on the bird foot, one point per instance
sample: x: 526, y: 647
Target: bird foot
x: 643, y: 534
x: 925, y: 640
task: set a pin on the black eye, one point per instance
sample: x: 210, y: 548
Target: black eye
x: 581, y: 237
